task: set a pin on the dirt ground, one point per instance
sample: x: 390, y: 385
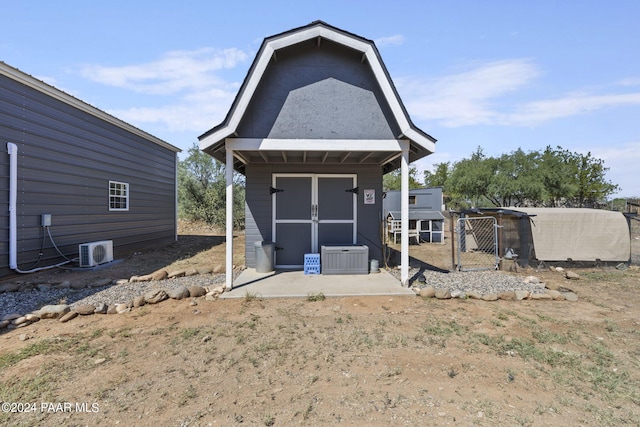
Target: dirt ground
x: 373, y: 361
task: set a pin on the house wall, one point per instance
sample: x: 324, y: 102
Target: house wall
x: 258, y: 208
x: 66, y: 158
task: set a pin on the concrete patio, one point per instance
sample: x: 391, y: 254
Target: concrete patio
x: 292, y: 284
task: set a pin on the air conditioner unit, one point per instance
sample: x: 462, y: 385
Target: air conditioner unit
x: 95, y: 253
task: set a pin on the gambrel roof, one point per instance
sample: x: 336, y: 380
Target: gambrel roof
x: 278, y: 144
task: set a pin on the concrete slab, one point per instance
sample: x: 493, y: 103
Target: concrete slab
x: 287, y: 284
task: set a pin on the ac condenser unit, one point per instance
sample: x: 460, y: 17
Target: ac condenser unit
x: 95, y: 253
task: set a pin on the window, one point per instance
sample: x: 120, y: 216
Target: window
x: 118, y: 196
x: 412, y: 200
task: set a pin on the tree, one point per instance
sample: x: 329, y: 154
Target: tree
x: 592, y: 187
x: 393, y: 180
x: 202, y: 190
x: 554, y: 177
x: 439, y: 177
x: 471, y: 177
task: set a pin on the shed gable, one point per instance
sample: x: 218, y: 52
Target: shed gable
x: 331, y: 109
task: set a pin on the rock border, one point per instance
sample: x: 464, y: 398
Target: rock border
x: 64, y: 313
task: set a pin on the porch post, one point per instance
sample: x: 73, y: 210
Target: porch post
x: 404, y: 217
x: 229, y: 217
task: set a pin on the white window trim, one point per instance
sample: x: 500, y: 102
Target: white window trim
x: 124, y: 185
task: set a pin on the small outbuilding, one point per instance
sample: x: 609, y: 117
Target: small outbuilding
x: 315, y: 125
x: 426, y: 222
x: 73, y: 174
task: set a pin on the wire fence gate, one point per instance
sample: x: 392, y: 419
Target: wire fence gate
x: 477, y: 244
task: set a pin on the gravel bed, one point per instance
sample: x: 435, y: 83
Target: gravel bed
x: 31, y: 300
x: 461, y: 282
x: 458, y: 283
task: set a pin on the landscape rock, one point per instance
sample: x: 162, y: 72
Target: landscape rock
x: 570, y: 296
x: 32, y: 317
x: 531, y: 280
x: 23, y: 337
x: 159, y: 275
x: 197, y: 291
x: 101, y: 308
x: 101, y: 283
x: 541, y: 297
x: 214, y: 293
x: 489, y: 297
x: 4, y: 323
x: 122, y: 308
x: 443, y: 294
x: 555, y: 295
x: 218, y: 269
x: 427, y: 292
x: 559, y: 269
x: 192, y: 272
x: 458, y: 294
x: 473, y: 295
x: 145, y: 278
x: 11, y: 316
x: 179, y: 292
x: 520, y: 295
x: 26, y: 287
x: 44, y: 287
x: 70, y: 315
x: 9, y: 287
x: 19, y: 321
x: 507, y: 296
x: 557, y: 287
x: 112, y: 309
x: 52, y: 311
x: 572, y: 275
x: 85, y: 309
x: 175, y: 274
x: 139, y: 301
x: 155, y: 296
x: 78, y: 285
x: 63, y: 285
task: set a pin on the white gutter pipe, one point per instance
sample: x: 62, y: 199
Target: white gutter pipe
x: 12, y: 149
x: 13, y: 195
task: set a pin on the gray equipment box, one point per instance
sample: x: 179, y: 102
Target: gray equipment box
x: 350, y: 259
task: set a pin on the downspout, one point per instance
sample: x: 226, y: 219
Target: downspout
x: 12, y: 149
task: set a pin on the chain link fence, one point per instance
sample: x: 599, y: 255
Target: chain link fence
x: 477, y: 244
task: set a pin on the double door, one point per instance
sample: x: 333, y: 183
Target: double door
x: 311, y: 210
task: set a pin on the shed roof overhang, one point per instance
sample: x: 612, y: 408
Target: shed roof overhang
x: 386, y: 153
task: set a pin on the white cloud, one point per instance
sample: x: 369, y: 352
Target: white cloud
x: 394, y: 40
x: 537, y: 112
x: 467, y: 98
x: 471, y: 97
x: 201, y: 96
x: 174, y: 72
x: 622, y: 161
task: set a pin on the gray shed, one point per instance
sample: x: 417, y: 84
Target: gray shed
x: 315, y: 125
x: 77, y: 174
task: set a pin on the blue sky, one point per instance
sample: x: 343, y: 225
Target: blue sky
x: 500, y: 75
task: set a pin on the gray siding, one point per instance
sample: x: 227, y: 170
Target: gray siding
x: 426, y: 199
x: 303, y: 66
x: 66, y: 158
x: 258, y: 206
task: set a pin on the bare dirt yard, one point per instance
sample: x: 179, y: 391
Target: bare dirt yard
x: 370, y: 361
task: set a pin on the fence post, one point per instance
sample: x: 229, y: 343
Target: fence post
x: 453, y: 240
